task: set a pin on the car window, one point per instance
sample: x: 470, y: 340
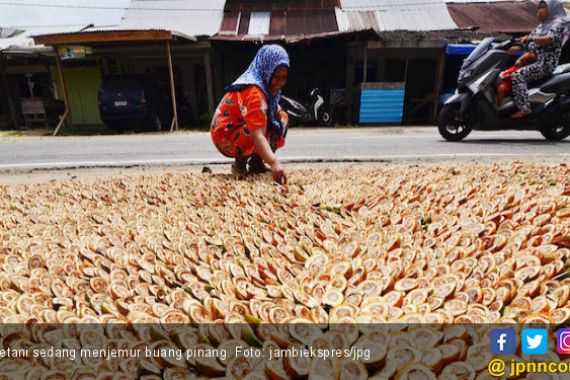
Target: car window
x: 121, y: 85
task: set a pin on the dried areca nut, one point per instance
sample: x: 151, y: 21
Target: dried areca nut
x: 387, y: 372
x: 256, y: 375
x: 377, y: 344
x: 406, y: 284
x: 455, y: 307
x: 185, y: 338
x: 303, y: 330
x: 444, y: 290
x: 322, y: 369
x: 173, y: 316
x: 425, y: 337
x: 478, y: 357
x: 394, y: 298
x: 450, y: 353
x: 199, y: 314
x: 306, y: 300
x: 54, y: 375
x: 380, y: 309
x: 352, y: 369
x: 98, y: 284
x: 543, y: 304
x: 207, y: 364
x: 561, y: 295
x: 297, y: 365
x: 319, y: 315
x: 175, y: 374
x: 433, y: 358
x: 415, y: 371
x: 232, y: 348
x: 417, y: 296
x: 460, y: 370
x: 535, y: 318
x: 275, y: 369
x: 403, y: 355
x: 348, y: 327
x: 337, y: 339
x: 559, y: 316
x: 238, y: 368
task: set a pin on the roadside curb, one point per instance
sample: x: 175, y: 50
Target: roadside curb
x: 37, y: 167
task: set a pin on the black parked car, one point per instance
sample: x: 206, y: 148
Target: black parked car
x: 129, y: 99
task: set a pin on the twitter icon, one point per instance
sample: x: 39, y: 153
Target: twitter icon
x: 534, y: 341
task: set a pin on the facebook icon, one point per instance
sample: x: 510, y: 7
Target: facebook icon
x: 503, y: 341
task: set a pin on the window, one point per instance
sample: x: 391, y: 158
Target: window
x: 259, y: 23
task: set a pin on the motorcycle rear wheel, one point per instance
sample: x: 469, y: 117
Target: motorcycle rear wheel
x: 557, y: 133
x: 449, y: 125
x: 325, y: 118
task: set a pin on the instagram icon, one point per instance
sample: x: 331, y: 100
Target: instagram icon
x: 563, y: 341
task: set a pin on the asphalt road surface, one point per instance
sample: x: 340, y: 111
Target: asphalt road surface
x: 303, y: 145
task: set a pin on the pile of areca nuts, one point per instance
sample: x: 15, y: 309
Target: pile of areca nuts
x: 403, y: 261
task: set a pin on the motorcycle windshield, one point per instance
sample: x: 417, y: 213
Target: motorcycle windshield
x: 481, y: 49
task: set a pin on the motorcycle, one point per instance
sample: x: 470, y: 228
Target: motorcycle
x: 315, y: 110
x: 473, y: 106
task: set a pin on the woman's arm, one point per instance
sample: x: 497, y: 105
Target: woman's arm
x: 542, y: 41
x: 264, y: 150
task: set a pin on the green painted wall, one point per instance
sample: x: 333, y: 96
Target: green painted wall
x: 82, y: 88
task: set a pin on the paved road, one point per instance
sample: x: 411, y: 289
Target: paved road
x: 24, y: 153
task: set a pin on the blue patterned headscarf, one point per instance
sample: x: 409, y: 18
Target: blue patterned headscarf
x: 259, y: 74
x: 556, y: 18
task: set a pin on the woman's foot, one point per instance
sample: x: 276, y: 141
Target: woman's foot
x: 239, y: 167
x: 256, y: 165
x: 519, y: 115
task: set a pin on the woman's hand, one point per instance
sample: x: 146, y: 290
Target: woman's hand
x: 278, y: 173
x: 264, y: 150
x: 526, y: 39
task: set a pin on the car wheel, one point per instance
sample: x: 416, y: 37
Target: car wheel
x: 556, y: 133
x: 449, y: 124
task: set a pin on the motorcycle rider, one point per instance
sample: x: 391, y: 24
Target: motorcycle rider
x: 546, y: 43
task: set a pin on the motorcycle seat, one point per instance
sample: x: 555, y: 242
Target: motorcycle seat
x: 540, y: 82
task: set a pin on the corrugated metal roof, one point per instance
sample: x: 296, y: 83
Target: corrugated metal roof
x: 24, y: 39
x: 281, y: 5
x: 183, y: 17
x: 98, y: 29
x: 504, y: 16
x: 388, y: 15
x: 9, y: 32
x: 289, y: 19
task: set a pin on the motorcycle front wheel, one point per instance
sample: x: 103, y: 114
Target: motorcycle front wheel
x: 450, y: 125
x: 557, y: 133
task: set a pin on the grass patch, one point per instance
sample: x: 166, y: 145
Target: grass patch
x: 12, y: 134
